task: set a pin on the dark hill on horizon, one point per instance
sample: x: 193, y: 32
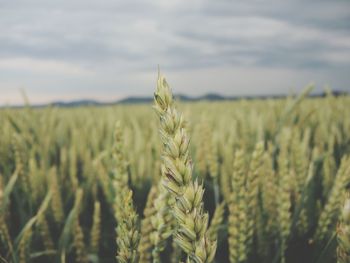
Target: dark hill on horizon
x: 180, y: 97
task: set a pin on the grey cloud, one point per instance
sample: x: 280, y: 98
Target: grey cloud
x: 93, y: 33
x: 117, y: 39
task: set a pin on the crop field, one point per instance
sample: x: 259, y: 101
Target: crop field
x: 234, y: 181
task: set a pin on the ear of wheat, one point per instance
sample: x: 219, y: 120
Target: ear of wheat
x: 330, y: 212
x: 343, y: 233
x: 145, y: 246
x: 162, y: 222
x: 192, y: 222
x: 237, y: 221
x: 284, y: 199
x: 96, y: 228
x: 128, y: 233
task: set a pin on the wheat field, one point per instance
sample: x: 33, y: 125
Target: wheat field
x: 233, y: 181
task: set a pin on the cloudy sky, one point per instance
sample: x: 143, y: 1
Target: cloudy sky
x: 105, y: 50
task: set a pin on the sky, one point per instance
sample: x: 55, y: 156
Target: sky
x: 107, y: 50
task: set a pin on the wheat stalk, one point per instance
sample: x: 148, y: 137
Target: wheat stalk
x: 128, y: 234
x: 237, y: 221
x: 45, y: 233
x: 57, y: 207
x: 253, y: 184
x: 4, y: 231
x: 333, y: 205
x: 145, y: 245
x: 343, y: 233
x: 283, y: 201
x: 95, y: 234
x: 79, y: 244
x: 162, y: 222
x: 192, y: 222
x: 216, y: 221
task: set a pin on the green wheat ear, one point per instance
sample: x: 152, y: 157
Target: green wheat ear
x: 162, y: 222
x: 45, y: 233
x: 5, y: 238
x: 216, y: 221
x: 253, y: 185
x: 238, y: 233
x: 330, y: 211
x: 96, y: 228
x: 192, y: 223
x: 145, y: 245
x: 128, y: 233
x: 284, y: 202
x: 343, y: 233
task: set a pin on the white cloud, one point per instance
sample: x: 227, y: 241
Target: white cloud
x: 50, y: 67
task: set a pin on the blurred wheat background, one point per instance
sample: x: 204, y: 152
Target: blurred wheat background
x: 275, y: 174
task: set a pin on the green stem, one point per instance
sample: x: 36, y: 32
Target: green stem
x: 216, y: 192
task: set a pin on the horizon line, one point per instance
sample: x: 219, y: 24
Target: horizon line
x: 211, y: 96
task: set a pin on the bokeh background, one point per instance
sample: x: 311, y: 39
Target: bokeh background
x: 108, y: 50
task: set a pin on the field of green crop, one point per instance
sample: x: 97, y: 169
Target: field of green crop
x: 236, y: 181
